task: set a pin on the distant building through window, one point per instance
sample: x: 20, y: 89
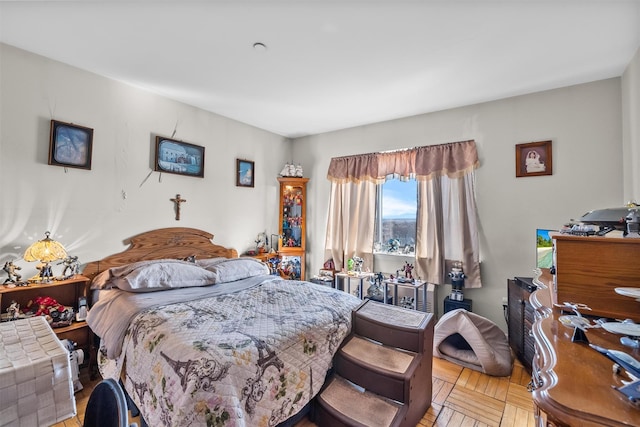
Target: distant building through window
x: 396, y: 212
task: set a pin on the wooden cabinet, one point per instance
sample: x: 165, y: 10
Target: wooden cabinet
x: 65, y: 292
x: 572, y: 383
x: 520, y: 317
x: 292, y: 229
x: 589, y: 268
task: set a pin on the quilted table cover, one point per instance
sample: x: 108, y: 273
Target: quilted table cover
x: 36, y: 388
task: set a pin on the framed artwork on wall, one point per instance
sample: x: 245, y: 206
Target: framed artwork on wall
x: 179, y: 157
x: 245, y: 173
x: 533, y: 159
x: 70, y: 145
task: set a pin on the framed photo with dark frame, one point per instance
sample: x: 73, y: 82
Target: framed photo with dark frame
x: 70, y: 145
x: 245, y: 173
x: 533, y: 159
x: 181, y: 158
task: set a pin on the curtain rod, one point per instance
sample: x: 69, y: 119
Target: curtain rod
x: 398, y: 150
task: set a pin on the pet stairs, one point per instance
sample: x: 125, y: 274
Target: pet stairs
x: 382, y: 371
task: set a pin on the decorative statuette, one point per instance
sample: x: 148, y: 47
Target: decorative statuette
x: 291, y: 170
x: 457, y: 282
x: 10, y: 268
x: 71, y: 267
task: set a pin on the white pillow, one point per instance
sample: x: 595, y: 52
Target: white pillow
x: 156, y: 275
x: 209, y: 262
x: 232, y: 269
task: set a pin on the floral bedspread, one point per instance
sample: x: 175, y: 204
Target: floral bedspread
x: 250, y: 358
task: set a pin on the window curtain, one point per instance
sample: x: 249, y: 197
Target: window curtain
x: 352, y: 208
x: 446, y: 225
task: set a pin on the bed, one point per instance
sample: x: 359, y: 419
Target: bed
x: 201, y: 337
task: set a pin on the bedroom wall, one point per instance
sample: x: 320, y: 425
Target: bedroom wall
x: 584, y: 123
x: 631, y: 128
x: 92, y: 211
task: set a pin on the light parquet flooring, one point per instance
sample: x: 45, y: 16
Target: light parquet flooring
x: 461, y: 398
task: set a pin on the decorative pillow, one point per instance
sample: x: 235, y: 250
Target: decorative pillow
x: 232, y: 269
x: 156, y: 275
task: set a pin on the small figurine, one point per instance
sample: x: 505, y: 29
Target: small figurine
x: 407, y: 302
x: 273, y: 265
x: 13, y: 310
x: 11, y: 268
x: 45, y: 272
x: 376, y: 287
x: 357, y: 264
x: 71, y: 265
x: 408, y: 268
x: 394, y: 245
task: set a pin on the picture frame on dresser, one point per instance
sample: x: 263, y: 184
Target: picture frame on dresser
x: 179, y: 157
x: 544, y: 248
x: 70, y: 145
x: 534, y: 159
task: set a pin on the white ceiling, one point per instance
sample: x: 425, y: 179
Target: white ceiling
x: 332, y: 64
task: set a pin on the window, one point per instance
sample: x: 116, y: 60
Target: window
x: 396, y: 210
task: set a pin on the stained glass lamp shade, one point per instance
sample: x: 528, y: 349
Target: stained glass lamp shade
x: 46, y: 250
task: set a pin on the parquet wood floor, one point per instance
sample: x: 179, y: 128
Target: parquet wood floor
x: 461, y: 397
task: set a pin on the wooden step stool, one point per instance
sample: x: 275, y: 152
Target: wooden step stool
x: 382, y: 371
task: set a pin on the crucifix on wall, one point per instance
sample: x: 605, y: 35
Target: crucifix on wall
x: 178, y: 200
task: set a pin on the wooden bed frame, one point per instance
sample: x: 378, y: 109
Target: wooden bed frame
x: 174, y: 243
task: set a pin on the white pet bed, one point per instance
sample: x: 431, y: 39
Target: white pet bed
x: 473, y: 341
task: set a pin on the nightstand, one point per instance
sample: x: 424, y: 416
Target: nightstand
x: 450, y: 304
x: 66, y: 292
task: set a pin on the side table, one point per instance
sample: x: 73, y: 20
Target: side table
x: 416, y: 285
x: 450, y: 304
x: 346, y: 279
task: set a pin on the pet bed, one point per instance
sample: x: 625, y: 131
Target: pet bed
x: 470, y: 340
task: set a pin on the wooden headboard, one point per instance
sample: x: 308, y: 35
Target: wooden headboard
x: 174, y: 242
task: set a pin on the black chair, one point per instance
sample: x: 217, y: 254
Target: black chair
x: 107, y: 406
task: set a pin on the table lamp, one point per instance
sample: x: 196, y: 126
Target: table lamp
x: 46, y: 250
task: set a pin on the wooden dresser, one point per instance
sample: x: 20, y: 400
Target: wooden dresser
x: 589, y: 268
x: 571, y: 382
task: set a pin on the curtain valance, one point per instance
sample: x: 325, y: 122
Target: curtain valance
x: 422, y: 163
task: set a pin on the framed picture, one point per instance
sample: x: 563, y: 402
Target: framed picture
x: 179, y: 157
x: 70, y: 145
x: 245, y: 172
x: 544, y: 248
x: 533, y: 159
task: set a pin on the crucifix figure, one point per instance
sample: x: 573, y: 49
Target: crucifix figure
x: 178, y: 201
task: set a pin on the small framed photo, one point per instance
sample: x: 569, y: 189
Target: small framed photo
x: 245, y: 173
x: 70, y: 145
x: 179, y: 157
x: 533, y: 159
